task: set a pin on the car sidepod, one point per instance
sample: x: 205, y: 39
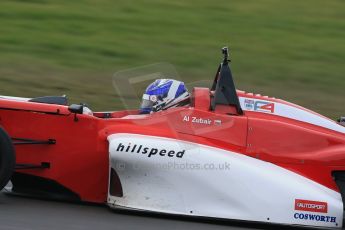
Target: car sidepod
x: 177, y: 177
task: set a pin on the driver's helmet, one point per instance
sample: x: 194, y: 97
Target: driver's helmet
x: 163, y: 94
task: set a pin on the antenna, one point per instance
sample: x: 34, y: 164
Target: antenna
x: 225, y: 52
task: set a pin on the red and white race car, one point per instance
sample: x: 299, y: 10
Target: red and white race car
x: 229, y: 155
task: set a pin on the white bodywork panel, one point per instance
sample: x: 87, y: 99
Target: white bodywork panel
x: 199, y: 180
x: 23, y: 99
x: 291, y: 112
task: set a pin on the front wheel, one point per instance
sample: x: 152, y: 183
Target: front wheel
x: 7, y: 158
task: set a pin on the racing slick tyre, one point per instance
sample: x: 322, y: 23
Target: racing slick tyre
x: 7, y: 158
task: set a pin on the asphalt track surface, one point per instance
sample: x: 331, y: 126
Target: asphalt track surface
x: 21, y: 213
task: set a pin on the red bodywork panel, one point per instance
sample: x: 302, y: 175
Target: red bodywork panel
x: 79, y: 160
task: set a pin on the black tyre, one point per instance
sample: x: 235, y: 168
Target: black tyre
x: 7, y: 158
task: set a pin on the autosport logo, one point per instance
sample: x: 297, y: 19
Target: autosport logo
x: 311, y: 206
x: 149, y: 151
x: 259, y: 106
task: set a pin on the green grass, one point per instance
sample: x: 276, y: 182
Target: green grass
x: 294, y: 50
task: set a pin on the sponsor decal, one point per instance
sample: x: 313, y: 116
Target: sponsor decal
x: 217, y: 122
x: 259, y: 106
x: 149, y: 151
x: 315, y: 217
x: 264, y: 106
x: 249, y: 104
x: 199, y: 120
x: 311, y: 206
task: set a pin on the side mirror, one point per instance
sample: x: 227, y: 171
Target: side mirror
x: 77, y: 109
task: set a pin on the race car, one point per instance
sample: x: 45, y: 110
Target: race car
x: 228, y: 155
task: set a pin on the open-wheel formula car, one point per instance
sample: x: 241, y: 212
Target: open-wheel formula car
x: 228, y: 155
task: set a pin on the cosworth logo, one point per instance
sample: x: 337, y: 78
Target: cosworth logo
x: 260, y: 106
x: 149, y: 151
x: 313, y: 217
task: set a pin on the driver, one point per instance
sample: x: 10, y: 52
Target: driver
x: 163, y: 94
